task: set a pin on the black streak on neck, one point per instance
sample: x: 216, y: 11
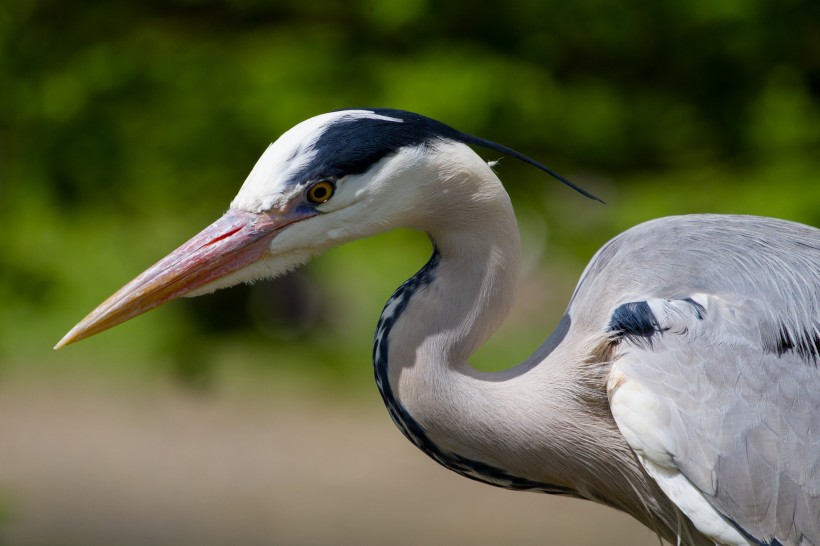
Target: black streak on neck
x: 414, y: 432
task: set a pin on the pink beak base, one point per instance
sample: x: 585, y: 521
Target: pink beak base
x: 234, y: 241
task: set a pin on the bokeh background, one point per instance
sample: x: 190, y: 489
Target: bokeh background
x: 249, y: 416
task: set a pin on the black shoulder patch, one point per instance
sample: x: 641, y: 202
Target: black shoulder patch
x: 634, y: 319
x: 805, y: 344
x: 700, y: 311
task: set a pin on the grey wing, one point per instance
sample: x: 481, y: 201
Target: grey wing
x: 724, y: 416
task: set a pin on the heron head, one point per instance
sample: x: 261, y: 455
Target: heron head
x: 330, y: 179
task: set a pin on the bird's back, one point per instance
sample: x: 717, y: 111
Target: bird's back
x: 773, y: 261
x: 715, y: 325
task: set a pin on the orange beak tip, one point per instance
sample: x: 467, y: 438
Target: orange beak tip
x: 77, y: 333
x: 234, y: 241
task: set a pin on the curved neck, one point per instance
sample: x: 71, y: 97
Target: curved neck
x: 537, y: 426
x: 438, y: 318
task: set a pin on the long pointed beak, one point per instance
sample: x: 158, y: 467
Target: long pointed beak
x: 234, y: 241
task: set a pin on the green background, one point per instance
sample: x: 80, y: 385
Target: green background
x: 125, y: 127
x: 250, y: 416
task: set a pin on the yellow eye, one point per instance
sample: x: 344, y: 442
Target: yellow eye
x: 321, y: 191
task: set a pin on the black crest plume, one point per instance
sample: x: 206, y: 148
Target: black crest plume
x: 417, y: 129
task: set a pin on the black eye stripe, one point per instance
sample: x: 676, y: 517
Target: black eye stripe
x: 355, y: 142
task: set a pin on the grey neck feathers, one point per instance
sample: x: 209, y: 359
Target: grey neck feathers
x: 517, y: 429
x: 440, y: 316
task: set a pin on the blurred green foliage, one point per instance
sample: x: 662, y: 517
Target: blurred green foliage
x: 125, y: 127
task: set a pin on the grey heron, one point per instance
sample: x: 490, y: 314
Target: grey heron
x: 682, y: 385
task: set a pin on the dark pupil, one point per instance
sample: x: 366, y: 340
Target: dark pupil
x: 319, y: 192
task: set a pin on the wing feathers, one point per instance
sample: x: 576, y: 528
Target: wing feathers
x: 700, y: 395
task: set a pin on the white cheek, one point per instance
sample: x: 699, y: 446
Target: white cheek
x: 292, y: 238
